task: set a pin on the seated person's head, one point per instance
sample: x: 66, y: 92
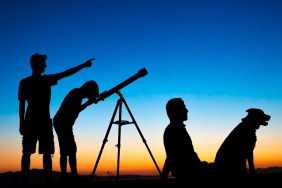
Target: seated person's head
x: 176, y: 109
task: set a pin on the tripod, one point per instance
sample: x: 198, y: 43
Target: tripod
x: 121, y: 122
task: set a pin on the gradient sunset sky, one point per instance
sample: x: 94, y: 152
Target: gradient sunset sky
x: 220, y: 56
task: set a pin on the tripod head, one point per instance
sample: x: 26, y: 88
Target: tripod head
x: 141, y: 73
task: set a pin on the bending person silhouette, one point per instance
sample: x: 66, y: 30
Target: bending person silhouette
x: 182, y: 161
x: 35, y: 120
x: 64, y: 121
x: 237, y: 148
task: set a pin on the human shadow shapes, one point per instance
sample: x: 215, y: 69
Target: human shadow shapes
x: 34, y: 95
x: 181, y: 159
x: 237, y: 149
x: 63, y: 122
x: 231, y: 158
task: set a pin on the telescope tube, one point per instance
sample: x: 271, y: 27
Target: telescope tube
x: 141, y: 73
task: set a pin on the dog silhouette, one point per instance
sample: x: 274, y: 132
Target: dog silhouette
x: 237, y: 148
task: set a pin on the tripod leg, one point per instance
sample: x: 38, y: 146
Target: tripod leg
x: 143, y: 139
x: 119, y: 138
x: 105, y: 139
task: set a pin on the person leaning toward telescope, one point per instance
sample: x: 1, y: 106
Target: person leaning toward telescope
x: 64, y: 121
x: 34, y: 95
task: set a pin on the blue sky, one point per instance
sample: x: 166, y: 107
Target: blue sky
x: 221, y: 57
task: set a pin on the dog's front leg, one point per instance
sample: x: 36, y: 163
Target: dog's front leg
x: 250, y: 159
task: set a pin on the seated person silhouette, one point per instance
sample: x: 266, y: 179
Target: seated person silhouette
x: 64, y: 121
x: 237, y: 148
x: 181, y: 159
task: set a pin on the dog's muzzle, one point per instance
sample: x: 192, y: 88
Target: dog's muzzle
x: 265, y: 119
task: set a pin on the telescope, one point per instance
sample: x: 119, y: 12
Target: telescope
x: 120, y: 122
x: 141, y: 73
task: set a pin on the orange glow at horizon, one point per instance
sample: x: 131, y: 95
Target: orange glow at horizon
x: 134, y: 157
x: 128, y: 165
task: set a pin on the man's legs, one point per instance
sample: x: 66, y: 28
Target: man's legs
x: 47, y: 165
x: 63, y: 165
x: 25, y: 165
x: 73, y: 165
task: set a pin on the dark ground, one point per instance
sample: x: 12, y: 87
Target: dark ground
x: 267, y: 180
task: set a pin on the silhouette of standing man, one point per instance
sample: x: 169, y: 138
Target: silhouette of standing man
x: 64, y: 121
x: 35, y: 121
x: 182, y: 161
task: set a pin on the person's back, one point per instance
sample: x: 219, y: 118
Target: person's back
x: 70, y: 108
x: 182, y: 158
